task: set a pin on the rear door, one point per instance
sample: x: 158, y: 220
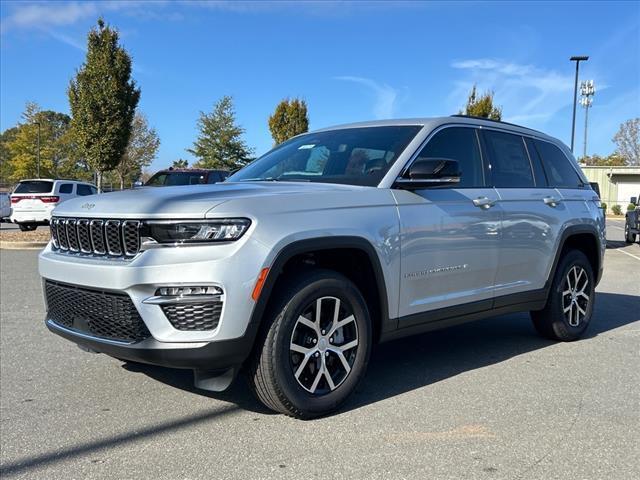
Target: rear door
x: 450, y: 235
x: 533, y: 214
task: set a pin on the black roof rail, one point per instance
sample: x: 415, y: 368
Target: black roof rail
x: 460, y: 115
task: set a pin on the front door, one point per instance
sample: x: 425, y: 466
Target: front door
x: 449, y: 236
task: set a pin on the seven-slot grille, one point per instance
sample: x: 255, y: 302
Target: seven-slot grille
x: 116, y: 238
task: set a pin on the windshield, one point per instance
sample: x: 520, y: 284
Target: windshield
x: 34, y: 186
x: 354, y: 156
x: 162, y: 179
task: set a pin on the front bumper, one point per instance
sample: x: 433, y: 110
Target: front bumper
x: 209, y: 356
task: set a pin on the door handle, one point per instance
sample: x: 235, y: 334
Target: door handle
x: 484, y: 202
x: 551, y: 201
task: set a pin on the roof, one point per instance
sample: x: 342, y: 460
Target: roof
x: 54, y: 180
x: 435, y: 122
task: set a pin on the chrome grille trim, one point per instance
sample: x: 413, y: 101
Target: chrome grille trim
x: 131, y: 237
x: 96, y: 237
x: 72, y: 235
x: 113, y: 237
x: 84, y: 236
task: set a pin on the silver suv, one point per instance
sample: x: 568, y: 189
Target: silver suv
x: 330, y: 243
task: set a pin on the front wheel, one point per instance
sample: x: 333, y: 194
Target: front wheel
x: 315, y: 347
x: 569, y: 307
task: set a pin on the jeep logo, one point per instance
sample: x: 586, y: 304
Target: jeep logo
x: 88, y: 206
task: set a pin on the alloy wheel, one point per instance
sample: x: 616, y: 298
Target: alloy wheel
x: 324, y: 345
x: 575, y: 297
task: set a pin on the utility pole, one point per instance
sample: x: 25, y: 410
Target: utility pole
x: 576, y: 59
x: 587, y: 91
x: 38, y: 152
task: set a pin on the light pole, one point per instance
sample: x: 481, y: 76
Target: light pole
x: 576, y: 59
x: 587, y: 91
x: 38, y: 152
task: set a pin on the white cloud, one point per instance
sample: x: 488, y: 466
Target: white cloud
x: 385, y: 96
x: 528, y: 94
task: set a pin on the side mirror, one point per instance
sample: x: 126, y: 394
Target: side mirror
x: 430, y: 172
x: 634, y: 200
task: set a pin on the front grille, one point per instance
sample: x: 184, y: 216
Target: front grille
x: 101, y: 314
x: 193, y: 316
x: 114, y: 238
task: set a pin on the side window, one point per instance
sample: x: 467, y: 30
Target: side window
x: 558, y: 167
x: 84, y: 190
x: 461, y: 144
x: 213, y: 177
x: 510, y: 165
x: 66, y: 188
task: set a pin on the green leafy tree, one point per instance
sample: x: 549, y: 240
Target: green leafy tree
x: 180, y: 163
x: 219, y: 143
x: 6, y: 167
x: 57, y: 151
x: 103, y: 100
x: 141, y: 150
x: 289, y: 119
x: 627, y: 140
x: 482, y: 105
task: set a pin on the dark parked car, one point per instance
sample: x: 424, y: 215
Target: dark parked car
x: 186, y: 176
x: 632, y: 222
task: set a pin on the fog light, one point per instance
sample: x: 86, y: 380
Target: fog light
x: 188, y: 291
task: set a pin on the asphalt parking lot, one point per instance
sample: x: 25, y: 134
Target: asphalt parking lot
x: 487, y: 400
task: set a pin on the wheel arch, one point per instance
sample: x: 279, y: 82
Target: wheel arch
x: 579, y: 237
x: 337, y: 253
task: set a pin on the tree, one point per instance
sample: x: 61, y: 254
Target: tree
x: 289, y: 119
x: 103, y: 100
x: 613, y: 160
x: 220, y: 143
x: 141, y: 150
x: 180, y: 163
x: 627, y: 140
x: 6, y: 168
x: 482, y: 106
x: 57, y: 152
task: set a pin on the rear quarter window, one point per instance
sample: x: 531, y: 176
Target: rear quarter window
x: 66, y: 188
x: 34, y: 186
x: 84, y: 190
x: 560, y: 172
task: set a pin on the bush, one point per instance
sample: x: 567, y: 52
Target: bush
x: 603, y: 206
x: 616, y: 209
x: 630, y: 207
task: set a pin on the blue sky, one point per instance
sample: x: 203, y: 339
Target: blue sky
x: 350, y: 61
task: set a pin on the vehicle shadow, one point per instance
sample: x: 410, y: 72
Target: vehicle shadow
x: 407, y: 364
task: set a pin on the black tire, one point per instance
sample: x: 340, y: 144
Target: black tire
x: 27, y: 227
x: 272, y: 371
x: 552, y: 321
x: 628, y: 236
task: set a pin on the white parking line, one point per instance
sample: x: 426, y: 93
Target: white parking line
x: 627, y: 253
x: 613, y: 226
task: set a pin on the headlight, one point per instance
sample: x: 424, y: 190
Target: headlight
x: 195, y: 231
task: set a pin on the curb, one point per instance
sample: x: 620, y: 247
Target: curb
x: 5, y: 245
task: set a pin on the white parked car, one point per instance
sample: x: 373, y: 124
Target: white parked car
x: 5, y: 207
x: 33, y: 200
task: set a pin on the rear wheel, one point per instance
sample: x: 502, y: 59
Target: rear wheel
x: 569, y: 307
x: 628, y: 236
x: 27, y: 227
x: 315, y: 347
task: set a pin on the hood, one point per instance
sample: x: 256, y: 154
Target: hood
x: 191, y: 201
